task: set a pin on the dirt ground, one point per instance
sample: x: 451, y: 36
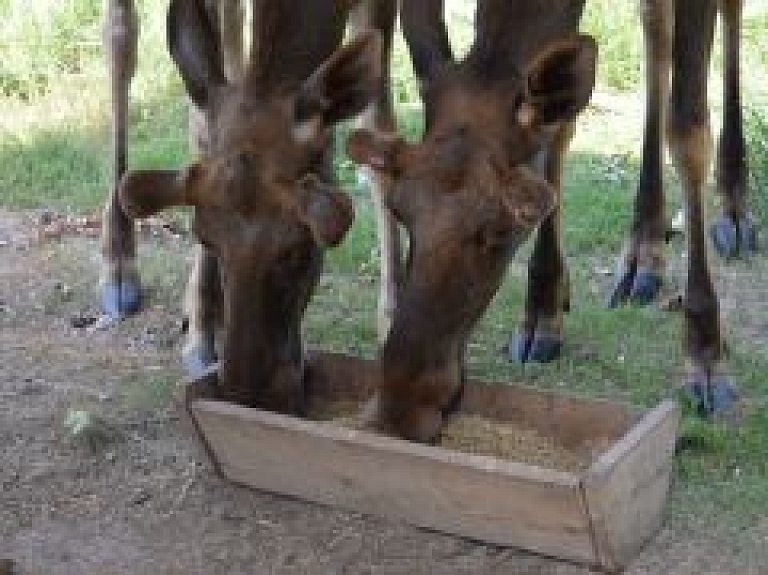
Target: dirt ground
x: 139, y: 500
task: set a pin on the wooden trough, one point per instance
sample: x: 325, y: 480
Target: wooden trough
x: 600, y: 517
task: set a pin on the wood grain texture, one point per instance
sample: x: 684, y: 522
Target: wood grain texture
x: 600, y: 517
x: 480, y: 497
x: 626, y: 488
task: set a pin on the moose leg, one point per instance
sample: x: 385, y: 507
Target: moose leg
x: 202, y: 306
x: 733, y: 232
x: 380, y: 14
x: 690, y: 140
x: 202, y: 302
x: 119, y: 282
x: 641, y: 266
x: 548, y: 292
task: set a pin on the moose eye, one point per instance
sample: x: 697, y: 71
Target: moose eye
x: 294, y: 258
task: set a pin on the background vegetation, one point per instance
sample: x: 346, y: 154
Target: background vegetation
x: 54, y: 153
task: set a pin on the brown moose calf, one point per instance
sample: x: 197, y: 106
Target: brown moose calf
x: 262, y: 210
x: 468, y: 199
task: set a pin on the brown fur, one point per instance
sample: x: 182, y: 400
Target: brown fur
x: 262, y: 207
x: 467, y: 200
x: 510, y: 35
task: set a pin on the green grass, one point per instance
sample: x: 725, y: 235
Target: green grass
x: 54, y: 152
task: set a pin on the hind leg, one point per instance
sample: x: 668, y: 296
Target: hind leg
x: 119, y: 282
x: 690, y: 141
x: 733, y: 232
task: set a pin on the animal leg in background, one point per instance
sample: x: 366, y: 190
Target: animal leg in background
x: 690, y: 138
x: 119, y: 282
x: 202, y: 301
x: 733, y: 232
x: 548, y: 290
x: 381, y: 14
x: 641, y: 266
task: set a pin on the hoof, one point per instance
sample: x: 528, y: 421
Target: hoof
x: 622, y: 288
x: 646, y: 286
x: 541, y: 348
x: 545, y: 348
x: 733, y: 239
x: 639, y: 285
x: 198, y: 361
x: 120, y: 299
x: 712, y: 398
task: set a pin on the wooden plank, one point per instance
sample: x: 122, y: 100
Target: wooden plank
x: 480, y: 497
x: 187, y: 392
x: 601, y: 517
x: 625, y: 490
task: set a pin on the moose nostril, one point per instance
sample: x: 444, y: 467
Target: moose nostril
x: 240, y: 162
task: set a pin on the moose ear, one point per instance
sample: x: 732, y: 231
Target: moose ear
x: 193, y: 42
x: 341, y: 87
x: 143, y: 193
x: 328, y: 211
x: 559, y: 81
x: 379, y: 151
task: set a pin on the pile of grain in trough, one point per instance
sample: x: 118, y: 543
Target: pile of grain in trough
x: 515, y: 442
x: 481, y: 436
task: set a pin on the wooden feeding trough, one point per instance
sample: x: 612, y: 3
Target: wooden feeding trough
x: 601, y: 515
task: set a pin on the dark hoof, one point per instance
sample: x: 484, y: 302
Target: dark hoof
x: 733, y: 239
x: 622, y: 288
x: 121, y: 299
x: 646, y: 286
x: 541, y: 348
x: 198, y: 361
x: 639, y: 285
x: 545, y: 348
x: 714, y: 397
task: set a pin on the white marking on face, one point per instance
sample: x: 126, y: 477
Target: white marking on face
x: 305, y: 131
x: 526, y: 114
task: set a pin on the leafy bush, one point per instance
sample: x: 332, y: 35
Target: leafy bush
x: 41, y: 40
x: 620, y: 37
x: 756, y: 134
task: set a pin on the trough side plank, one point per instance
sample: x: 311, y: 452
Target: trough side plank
x: 625, y: 490
x: 187, y: 393
x: 479, y: 497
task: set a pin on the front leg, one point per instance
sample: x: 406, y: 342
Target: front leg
x: 202, y: 307
x: 641, y: 266
x: 203, y: 298
x: 380, y: 116
x: 119, y: 282
x: 548, y: 292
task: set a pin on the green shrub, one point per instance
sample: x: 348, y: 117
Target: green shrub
x: 620, y: 36
x: 756, y: 134
x: 41, y: 40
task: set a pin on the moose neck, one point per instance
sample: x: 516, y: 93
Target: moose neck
x: 261, y: 361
